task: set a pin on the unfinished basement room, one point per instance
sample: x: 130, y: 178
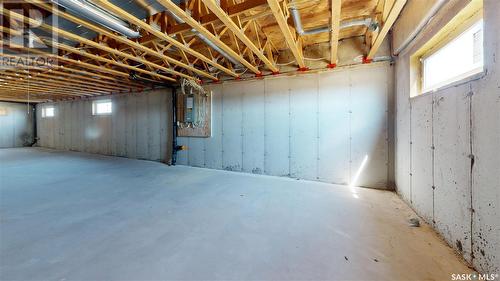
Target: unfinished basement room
x: 249, y: 140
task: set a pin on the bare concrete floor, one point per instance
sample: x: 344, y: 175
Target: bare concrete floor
x: 75, y: 216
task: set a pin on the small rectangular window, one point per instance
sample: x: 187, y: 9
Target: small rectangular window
x: 456, y: 60
x: 48, y: 111
x: 102, y: 107
x: 3, y: 111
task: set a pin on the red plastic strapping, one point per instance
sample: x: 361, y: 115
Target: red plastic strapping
x: 367, y: 60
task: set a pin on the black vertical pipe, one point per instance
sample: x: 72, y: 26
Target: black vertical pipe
x: 174, y: 130
x: 35, y: 132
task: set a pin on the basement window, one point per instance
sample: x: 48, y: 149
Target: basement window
x: 3, y: 111
x: 102, y: 107
x: 48, y: 111
x: 453, y: 55
x: 456, y: 60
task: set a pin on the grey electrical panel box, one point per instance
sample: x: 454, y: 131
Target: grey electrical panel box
x: 189, y: 110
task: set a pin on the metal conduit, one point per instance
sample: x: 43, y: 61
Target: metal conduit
x: 300, y: 30
x: 206, y: 41
x: 89, y: 11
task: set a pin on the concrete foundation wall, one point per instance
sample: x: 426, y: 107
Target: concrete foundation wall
x: 140, y: 126
x: 16, y: 126
x: 447, y: 146
x: 321, y: 126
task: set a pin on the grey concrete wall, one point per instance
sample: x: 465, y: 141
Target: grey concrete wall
x: 312, y: 126
x: 447, y: 149
x: 16, y: 127
x: 140, y: 126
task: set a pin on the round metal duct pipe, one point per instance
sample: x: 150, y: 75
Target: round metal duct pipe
x: 87, y: 10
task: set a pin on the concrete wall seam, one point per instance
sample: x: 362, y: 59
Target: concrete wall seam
x: 16, y: 126
x: 140, y: 126
x: 464, y: 205
x: 317, y: 126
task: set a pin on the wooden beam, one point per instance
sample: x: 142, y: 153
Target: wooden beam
x: 34, y: 90
x: 391, y: 18
x: 60, y: 80
x: 24, y: 79
x: 336, y: 6
x: 85, y: 75
x: 20, y: 99
x: 239, y: 33
x: 388, y: 4
x: 287, y: 33
x: 35, y: 96
x: 82, y: 78
x: 172, y: 7
x: 120, y: 39
x: 71, y: 61
x: 232, y: 10
x: 126, y: 16
x: 99, y: 58
x: 85, y: 41
x: 38, y: 87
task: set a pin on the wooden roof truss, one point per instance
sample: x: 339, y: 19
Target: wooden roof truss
x: 251, y: 33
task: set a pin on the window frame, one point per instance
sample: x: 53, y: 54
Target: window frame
x: 435, y: 40
x: 458, y: 79
x: 44, y: 111
x: 95, y: 104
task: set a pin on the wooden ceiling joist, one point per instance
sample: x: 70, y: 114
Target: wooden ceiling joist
x: 336, y: 6
x: 109, y: 61
x: 391, y: 18
x: 132, y: 19
x: 104, y: 48
x: 248, y: 32
x: 56, y: 80
x: 239, y: 32
x: 41, y: 88
x: 32, y: 80
x: 77, y: 63
x: 31, y: 97
x: 93, y: 77
x: 290, y: 37
x: 106, y: 84
x: 18, y: 98
x: 388, y: 4
x: 172, y: 7
x: 120, y: 39
x: 232, y: 10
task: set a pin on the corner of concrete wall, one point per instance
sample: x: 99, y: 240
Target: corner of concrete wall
x: 447, y: 156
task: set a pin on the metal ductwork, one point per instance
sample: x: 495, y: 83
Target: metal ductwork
x: 368, y: 22
x: 206, y: 41
x: 90, y: 11
x: 215, y: 47
x: 296, y: 20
